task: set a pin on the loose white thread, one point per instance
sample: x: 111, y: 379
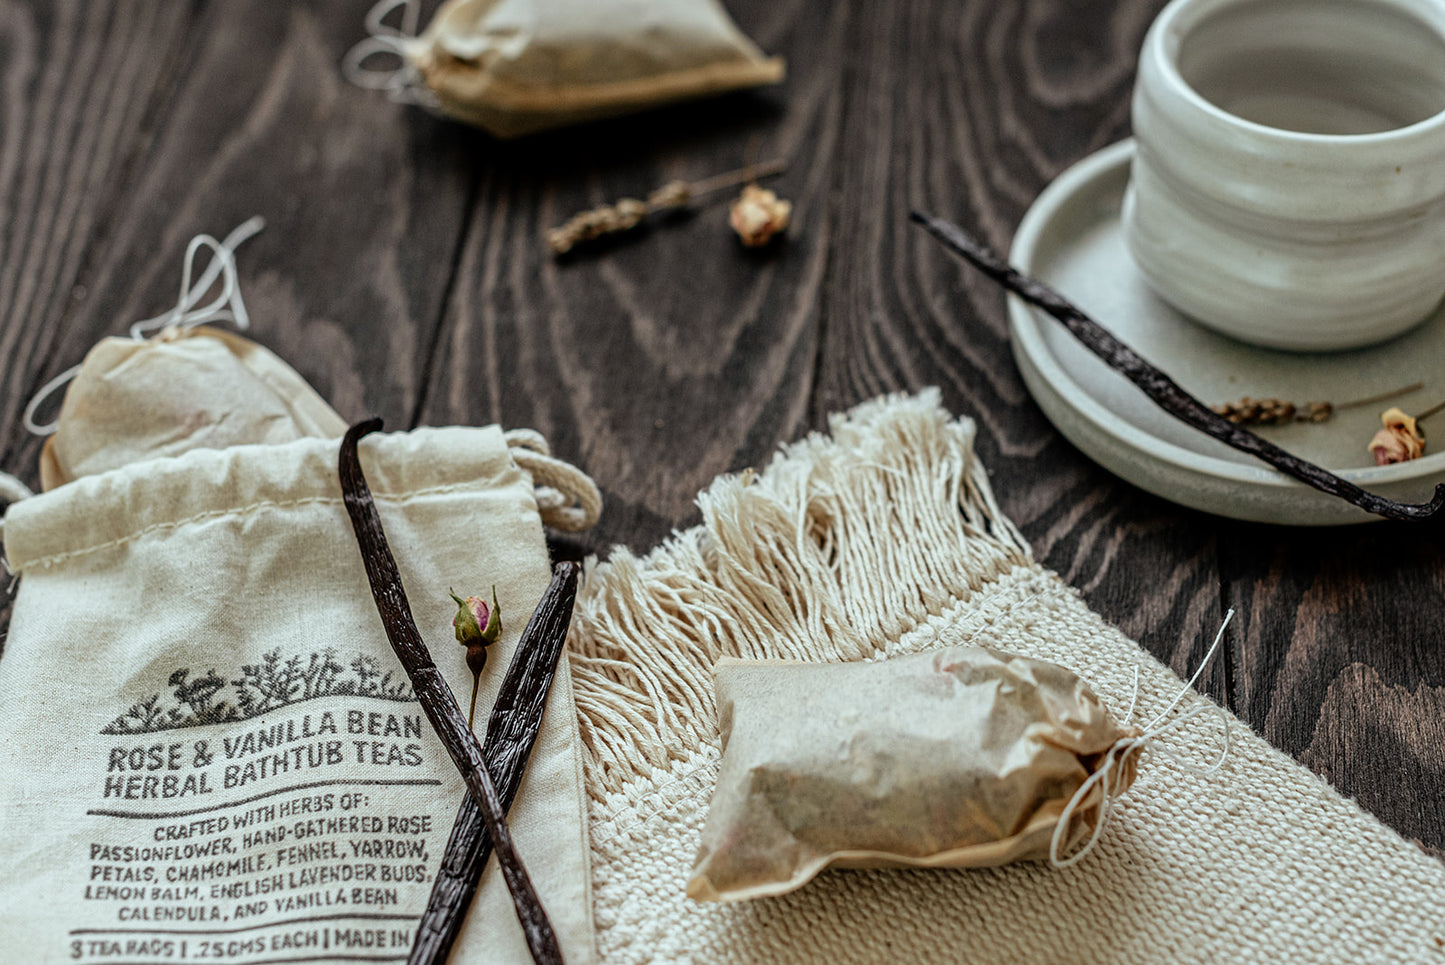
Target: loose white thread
x: 1110, y: 772
x: 402, y: 83
x: 227, y: 306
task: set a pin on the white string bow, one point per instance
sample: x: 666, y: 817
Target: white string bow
x: 401, y: 83
x: 1110, y: 772
x: 227, y: 306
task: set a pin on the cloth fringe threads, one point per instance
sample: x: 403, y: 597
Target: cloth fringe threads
x: 840, y: 545
x: 883, y: 540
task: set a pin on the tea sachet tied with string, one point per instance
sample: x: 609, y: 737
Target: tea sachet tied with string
x: 881, y: 538
x: 514, y: 67
x: 956, y: 758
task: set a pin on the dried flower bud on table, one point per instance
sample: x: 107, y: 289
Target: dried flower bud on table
x: 628, y: 213
x: 758, y: 215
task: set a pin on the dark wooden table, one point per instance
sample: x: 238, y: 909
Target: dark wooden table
x: 402, y: 273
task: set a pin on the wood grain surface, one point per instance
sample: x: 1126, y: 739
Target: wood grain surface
x: 402, y: 272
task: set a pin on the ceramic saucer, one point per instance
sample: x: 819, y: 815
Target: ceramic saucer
x: 1071, y: 238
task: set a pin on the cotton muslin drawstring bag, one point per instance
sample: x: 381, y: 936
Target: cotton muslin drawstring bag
x: 513, y: 67
x: 882, y: 539
x: 208, y: 749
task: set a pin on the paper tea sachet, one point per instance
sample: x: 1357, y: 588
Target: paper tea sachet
x: 176, y: 384
x: 957, y: 758
x: 514, y: 67
x: 184, y: 389
x: 208, y: 749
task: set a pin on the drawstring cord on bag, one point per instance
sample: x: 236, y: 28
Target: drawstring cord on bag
x: 401, y: 84
x: 1110, y: 772
x: 567, y: 498
x: 228, y: 306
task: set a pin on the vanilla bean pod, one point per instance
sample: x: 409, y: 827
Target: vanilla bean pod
x: 1160, y: 388
x: 432, y: 692
x: 515, y: 721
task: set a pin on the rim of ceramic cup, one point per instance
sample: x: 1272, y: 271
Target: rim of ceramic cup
x: 1168, y: 34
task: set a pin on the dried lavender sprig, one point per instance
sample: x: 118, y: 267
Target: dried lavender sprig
x: 627, y: 213
x: 1160, y: 388
x: 435, y: 697
x: 515, y: 722
x: 1274, y: 411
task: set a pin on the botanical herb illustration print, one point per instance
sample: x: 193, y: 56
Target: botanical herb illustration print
x: 261, y: 688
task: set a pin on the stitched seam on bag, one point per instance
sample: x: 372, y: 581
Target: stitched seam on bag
x: 238, y: 511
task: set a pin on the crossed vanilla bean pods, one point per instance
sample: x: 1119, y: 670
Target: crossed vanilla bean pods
x: 435, y: 697
x: 1160, y: 388
x: 516, y: 720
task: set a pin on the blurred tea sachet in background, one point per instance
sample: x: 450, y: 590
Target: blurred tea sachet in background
x: 514, y: 67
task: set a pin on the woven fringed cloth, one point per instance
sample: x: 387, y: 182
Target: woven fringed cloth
x: 880, y: 538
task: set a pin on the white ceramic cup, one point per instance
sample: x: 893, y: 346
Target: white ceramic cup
x: 1289, y: 184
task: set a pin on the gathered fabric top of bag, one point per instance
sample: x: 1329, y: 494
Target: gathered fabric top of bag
x: 154, y: 495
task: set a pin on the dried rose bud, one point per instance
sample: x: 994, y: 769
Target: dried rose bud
x: 757, y: 215
x: 1399, y: 441
x: 477, y: 625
